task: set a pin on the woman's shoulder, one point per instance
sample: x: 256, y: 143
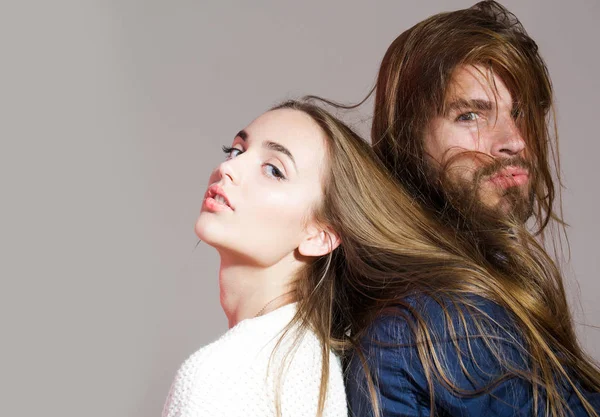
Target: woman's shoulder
x: 261, y: 340
x: 298, y: 360
x: 244, y: 343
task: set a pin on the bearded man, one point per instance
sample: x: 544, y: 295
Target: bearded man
x: 463, y: 120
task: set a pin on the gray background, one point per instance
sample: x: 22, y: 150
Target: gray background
x: 112, y: 115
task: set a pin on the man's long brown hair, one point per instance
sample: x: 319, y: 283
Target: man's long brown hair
x: 413, y: 84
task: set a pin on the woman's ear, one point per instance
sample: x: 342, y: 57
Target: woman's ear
x: 319, y: 241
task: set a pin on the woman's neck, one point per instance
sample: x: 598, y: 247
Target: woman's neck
x: 247, y: 291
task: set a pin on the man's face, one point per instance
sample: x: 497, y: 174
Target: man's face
x: 476, y: 147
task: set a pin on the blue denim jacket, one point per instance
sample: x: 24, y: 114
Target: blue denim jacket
x: 392, y: 358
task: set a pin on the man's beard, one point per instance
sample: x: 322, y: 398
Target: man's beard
x: 464, y: 195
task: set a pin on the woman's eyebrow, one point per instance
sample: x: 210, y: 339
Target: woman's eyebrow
x: 274, y: 146
x: 242, y: 134
x: 277, y: 147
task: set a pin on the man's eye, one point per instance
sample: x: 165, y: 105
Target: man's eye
x: 467, y: 117
x: 231, y: 152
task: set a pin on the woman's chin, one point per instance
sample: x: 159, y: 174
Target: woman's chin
x: 206, y: 232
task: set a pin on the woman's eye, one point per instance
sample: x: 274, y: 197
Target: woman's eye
x: 273, y: 171
x: 470, y: 116
x: 231, y: 152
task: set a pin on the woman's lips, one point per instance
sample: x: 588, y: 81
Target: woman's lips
x: 213, y: 205
x: 215, y: 199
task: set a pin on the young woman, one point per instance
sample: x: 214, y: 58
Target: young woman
x: 262, y: 212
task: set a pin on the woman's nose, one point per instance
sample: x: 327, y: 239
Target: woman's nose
x: 227, y: 171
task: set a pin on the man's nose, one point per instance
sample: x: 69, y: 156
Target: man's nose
x: 507, y: 138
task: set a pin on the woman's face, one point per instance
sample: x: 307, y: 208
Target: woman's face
x: 259, y: 201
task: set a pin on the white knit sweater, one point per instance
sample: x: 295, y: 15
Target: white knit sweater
x: 231, y: 377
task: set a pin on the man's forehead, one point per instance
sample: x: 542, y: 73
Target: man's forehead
x: 475, y: 82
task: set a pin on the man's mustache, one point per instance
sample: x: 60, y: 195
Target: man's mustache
x: 499, y: 164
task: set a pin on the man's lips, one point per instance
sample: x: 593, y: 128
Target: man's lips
x: 215, y: 199
x: 510, y: 177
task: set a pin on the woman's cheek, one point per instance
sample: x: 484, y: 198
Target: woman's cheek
x: 285, y: 207
x: 279, y: 199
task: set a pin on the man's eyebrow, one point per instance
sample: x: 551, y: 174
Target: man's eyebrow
x: 277, y: 147
x: 242, y: 134
x: 472, y: 104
